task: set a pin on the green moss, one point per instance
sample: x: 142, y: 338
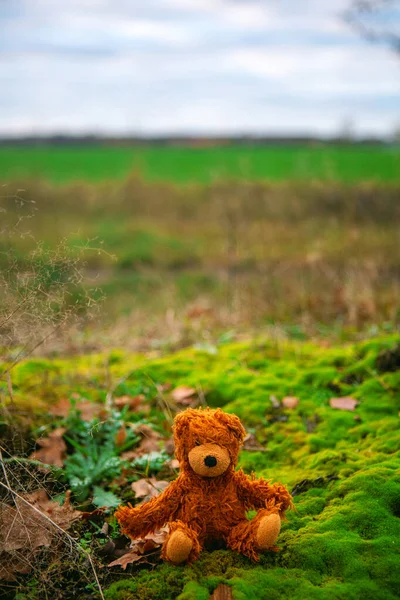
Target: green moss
x: 194, y: 591
x: 343, y: 466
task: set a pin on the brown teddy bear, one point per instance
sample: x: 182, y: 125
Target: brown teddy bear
x: 208, y: 501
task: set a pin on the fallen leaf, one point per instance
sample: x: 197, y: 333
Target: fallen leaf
x: 140, y: 548
x: 164, y: 387
x: 63, y: 515
x: 89, y: 410
x: 26, y: 530
x: 13, y: 565
x: 52, y: 448
x: 23, y: 528
x: 174, y: 463
x: 135, y: 403
x: 150, y: 443
x: 159, y: 536
x: 169, y: 446
x: 290, y: 402
x: 148, y: 488
x: 182, y: 394
x: 121, y: 436
x: 222, y: 592
x: 345, y: 403
x: 126, y: 559
x: 251, y: 444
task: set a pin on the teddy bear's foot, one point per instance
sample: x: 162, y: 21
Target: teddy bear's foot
x: 179, y: 547
x: 268, y: 531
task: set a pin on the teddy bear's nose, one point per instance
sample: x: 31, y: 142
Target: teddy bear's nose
x: 210, y: 461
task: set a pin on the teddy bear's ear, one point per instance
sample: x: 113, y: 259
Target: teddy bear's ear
x: 182, y: 420
x: 232, y: 422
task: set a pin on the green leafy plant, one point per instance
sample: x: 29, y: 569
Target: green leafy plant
x: 96, y: 458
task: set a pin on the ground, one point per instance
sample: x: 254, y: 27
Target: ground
x: 342, y: 465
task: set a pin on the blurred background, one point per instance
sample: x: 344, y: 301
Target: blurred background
x: 179, y: 172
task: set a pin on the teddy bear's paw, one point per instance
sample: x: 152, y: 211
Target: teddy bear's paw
x: 179, y: 547
x: 268, y: 531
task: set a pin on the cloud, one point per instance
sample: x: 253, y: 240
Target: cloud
x: 190, y: 65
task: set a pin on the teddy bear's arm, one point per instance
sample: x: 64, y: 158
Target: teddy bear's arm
x: 141, y: 520
x: 260, y: 493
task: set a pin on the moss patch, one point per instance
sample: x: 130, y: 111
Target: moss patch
x: 343, y: 466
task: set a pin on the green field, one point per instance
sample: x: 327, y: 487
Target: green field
x: 182, y: 165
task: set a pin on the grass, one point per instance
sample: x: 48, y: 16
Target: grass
x: 346, y: 163
x: 184, y: 265
x: 342, y: 466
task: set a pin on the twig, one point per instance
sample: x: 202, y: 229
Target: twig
x: 13, y: 312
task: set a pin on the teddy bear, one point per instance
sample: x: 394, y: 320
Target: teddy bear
x: 208, y: 502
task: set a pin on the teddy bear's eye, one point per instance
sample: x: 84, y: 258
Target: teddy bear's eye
x: 197, y: 443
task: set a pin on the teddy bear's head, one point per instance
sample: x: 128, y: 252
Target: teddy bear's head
x: 207, y: 441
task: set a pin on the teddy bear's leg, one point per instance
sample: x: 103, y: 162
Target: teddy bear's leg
x: 257, y: 535
x: 182, y: 544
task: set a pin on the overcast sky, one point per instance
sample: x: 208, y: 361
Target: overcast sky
x: 200, y: 66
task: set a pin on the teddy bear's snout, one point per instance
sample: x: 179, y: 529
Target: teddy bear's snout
x: 210, y: 461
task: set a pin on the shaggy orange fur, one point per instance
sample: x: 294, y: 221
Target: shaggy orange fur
x: 211, y: 505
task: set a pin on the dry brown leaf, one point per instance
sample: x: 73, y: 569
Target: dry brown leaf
x: 164, y: 387
x: 345, y: 403
x: 290, y: 402
x: 22, y: 528
x: 222, y: 592
x: 135, y: 403
x: 63, y: 515
x: 182, y: 394
x: 169, y: 446
x: 251, y: 444
x: 121, y: 436
x: 52, y: 448
x: 25, y: 529
x: 148, y: 488
x: 126, y: 559
x: 150, y: 443
x: 89, y: 410
x: 174, y: 463
x: 159, y: 536
x: 13, y: 565
x: 141, y: 547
